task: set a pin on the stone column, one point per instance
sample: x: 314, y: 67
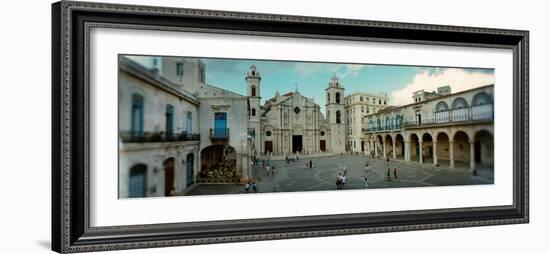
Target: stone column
x: 376, y: 148
x: 472, y: 156
x: 407, y: 152
x: 420, y: 152
x: 384, y: 149
x: 393, y: 151
x: 451, y: 154
x: 435, y: 152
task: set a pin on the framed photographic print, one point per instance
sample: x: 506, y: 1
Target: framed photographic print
x: 182, y: 126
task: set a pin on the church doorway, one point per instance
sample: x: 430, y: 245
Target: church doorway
x: 296, y: 143
x: 268, y: 146
x: 323, y: 145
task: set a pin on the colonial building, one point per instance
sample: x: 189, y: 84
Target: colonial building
x: 454, y: 129
x: 176, y: 130
x: 358, y: 105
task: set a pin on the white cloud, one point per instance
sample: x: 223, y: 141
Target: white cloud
x: 341, y: 70
x: 458, y: 79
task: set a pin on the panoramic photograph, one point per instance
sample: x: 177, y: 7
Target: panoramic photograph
x: 212, y: 126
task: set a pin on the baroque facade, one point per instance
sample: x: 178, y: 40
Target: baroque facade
x: 293, y: 123
x: 452, y: 129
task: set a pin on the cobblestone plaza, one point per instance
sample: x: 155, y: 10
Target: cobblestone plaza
x: 296, y: 176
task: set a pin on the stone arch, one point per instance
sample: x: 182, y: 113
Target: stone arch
x: 482, y: 98
x: 414, y: 146
x: 399, y: 146
x: 442, y: 149
x: 441, y: 106
x: 388, y: 145
x: 484, y: 148
x: 459, y: 103
x: 218, y: 162
x: 337, y: 97
x: 461, y: 147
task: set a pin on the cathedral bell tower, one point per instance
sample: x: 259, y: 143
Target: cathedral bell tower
x: 335, y: 114
x: 253, y: 79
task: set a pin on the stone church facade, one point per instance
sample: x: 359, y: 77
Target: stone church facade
x: 292, y: 123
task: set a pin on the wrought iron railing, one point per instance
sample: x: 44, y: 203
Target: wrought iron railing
x: 463, y: 115
x: 147, y: 137
x: 219, y: 133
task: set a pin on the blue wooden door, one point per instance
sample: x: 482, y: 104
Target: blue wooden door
x: 190, y: 166
x: 137, y: 181
x: 220, y: 124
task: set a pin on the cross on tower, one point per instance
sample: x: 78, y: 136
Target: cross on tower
x: 296, y: 89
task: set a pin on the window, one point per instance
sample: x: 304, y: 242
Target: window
x: 137, y: 115
x: 179, y: 69
x: 379, y: 102
x: 169, y: 120
x: 337, y: 98
x: 360, y: 98
x: 362, y: 109
x: 384, y: 102
x: 189, y: 128
x: 338, y: 120
x: 374, y: 100
x: 253, y: 112
x: 268, y: 133
x: 322, y: 133
x: 253, y: 91
x: 328, y: 97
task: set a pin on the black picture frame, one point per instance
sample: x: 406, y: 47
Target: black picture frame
x: 71, y: 231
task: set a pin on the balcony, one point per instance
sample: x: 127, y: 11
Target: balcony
x: 150, y: 137
x: 475, y: 114
x: 219, y: 134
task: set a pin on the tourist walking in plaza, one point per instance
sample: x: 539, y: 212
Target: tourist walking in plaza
x: 339, y: 181
x: 254, y: 187
x: 395, y: 173
x: 343, y: 182
x: 310, y: 164
x: 267, y: 169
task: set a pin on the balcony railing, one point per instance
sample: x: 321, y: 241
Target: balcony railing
x: 219, y: 133
x: 464, y: 115
x: 149, y: 137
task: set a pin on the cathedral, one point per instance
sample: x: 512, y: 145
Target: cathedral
x: 294, y: 123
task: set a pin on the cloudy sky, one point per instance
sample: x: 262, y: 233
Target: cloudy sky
x: 398, y: 82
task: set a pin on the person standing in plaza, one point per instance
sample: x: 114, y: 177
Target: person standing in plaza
x: 388, y: 174
x: 272, y: 171
x: 310, y: 164
x: 247, y: 187
x: 366, y: 183
x: 395, y: 173
x: 339, y: 181
x: 267, y: 169
x: 344, y: 178
x: 254, y: 187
